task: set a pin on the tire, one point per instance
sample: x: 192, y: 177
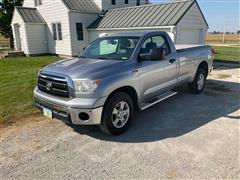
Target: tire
x: 198, y: 84
x: 113, y: 113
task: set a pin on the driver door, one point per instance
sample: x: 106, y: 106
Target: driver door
x: 156, y: 76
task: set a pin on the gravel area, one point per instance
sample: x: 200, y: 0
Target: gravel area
x: 186, y: 136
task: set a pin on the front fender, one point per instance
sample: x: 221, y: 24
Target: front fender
x: 116, y: 81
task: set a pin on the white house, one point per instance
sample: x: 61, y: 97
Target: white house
x: 65, y: 27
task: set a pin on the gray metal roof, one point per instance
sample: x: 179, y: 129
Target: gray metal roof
x: 82, y: 5
x: 132, y: 33
x: 144, y: 16
x: 30, y: 15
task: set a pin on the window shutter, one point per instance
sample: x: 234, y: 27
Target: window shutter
x: 59, y: 26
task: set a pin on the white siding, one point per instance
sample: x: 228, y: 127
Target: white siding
x: 94, y: 34
x: 55, y: 11
x: 18, y: 20
x: 28, y: 3
x: 86, y: 19
x: 189, y: 36
x: 193, y: 18
x: 107, y: 4
x: 37, y: 38
x: 192, y: 28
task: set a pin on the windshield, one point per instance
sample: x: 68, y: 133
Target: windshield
x: 115, y: 48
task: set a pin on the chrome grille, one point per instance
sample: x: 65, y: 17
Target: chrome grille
x: 53, y: 85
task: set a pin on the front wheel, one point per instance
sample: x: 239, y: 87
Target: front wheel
x: 198, y: 84
x: 118, y: 112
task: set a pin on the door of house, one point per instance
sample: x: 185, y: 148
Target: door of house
x: 18, y: 45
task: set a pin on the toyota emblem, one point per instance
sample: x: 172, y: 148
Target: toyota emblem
x: 49, y: 86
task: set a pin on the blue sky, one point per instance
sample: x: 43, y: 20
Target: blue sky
x: 217, y: 12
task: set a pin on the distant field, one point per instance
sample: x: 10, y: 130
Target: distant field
x: 217, y: 39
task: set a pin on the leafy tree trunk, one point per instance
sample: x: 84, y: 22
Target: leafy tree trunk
x: 11, y: 41
x: 6, y: 14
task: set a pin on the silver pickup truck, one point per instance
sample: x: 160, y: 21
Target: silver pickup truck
x: 117, y: 75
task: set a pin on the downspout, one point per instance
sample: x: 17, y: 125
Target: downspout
x: 27, y: 40
x: 70, y: 34
x: 46, y: 42
x: 174, y: 32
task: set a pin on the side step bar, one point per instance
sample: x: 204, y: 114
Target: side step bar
x: 157, y: 100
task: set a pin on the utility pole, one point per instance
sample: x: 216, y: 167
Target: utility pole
x: 224, y: 31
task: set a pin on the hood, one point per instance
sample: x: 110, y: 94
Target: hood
x: 83, y: 67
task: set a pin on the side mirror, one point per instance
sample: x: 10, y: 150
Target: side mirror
x: 140, y: 58
x: 158, y: 54
x: 84, y: 48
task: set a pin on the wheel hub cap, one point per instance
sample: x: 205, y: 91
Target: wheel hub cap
x: 201, y: 81
x: 120, y: 114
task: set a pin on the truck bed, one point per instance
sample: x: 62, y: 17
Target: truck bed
x: 183, y: 47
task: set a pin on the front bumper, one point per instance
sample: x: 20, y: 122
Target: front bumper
x: 69, y: 110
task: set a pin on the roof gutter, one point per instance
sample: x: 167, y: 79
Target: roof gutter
x: 87, y: 12
x: 132, y: 28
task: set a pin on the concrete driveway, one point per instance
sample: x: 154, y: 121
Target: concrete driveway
x: 186, y: 136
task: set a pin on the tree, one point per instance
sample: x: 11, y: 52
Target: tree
x: 238, y: 32
x: 6, y: 13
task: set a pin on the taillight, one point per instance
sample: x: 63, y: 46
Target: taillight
x: 213, y: 51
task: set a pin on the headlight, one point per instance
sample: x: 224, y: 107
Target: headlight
x: 85, y: 85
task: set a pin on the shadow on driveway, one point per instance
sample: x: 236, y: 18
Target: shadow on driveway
x: 178, y: 115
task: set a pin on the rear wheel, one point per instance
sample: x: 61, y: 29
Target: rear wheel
x: 197, y: 86
x: 117, y: 114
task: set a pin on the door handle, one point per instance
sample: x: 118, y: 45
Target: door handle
x: 135, y: 71
x: 172, y: 60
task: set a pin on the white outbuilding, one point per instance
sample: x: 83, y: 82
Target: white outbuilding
x: 65, y: 27
x: 183, y: 20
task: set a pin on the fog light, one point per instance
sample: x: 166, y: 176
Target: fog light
x: 83, y: 116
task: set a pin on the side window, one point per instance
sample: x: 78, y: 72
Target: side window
x: 154, y: 42
x: 79, y: 30
x: 57, y: 31
x: 138, y: 3
x: 59, y: 28
x: 54, y: 29
x: 113, y: 2
x: 37, y: 2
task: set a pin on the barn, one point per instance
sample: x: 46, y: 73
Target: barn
x: 183, y: 20
x: 65, y: 27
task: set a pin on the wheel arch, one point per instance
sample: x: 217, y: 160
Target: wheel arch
x: 131, y: 91
x: 203, y: 65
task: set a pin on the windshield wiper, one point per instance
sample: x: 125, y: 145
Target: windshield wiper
x: 102, y: 58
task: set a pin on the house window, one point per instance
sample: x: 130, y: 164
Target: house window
x: 138, y: 2
x: 37, y: 2
x: 57, y: 31
x: 126, y: 2
x: 113, y: 2
x: 79, y: 29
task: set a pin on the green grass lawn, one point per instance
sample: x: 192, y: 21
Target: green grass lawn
x: 18, y: 77
x: 17, y: 80
x: 231, y: 53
